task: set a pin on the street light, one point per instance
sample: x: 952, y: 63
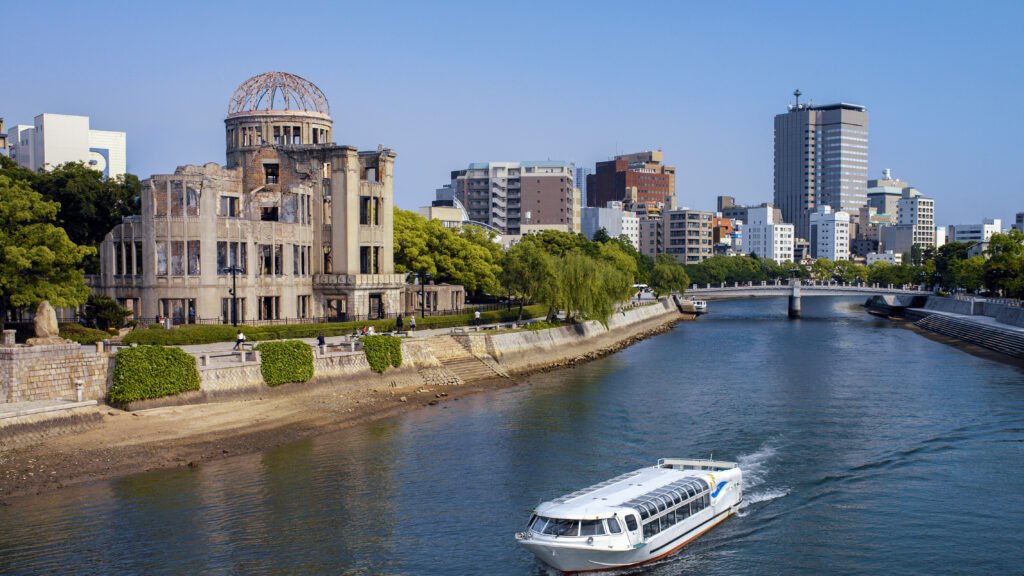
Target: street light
x: 424, y: 278
x: 234, y: 271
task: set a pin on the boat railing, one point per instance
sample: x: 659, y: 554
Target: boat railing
x: 681, y: 464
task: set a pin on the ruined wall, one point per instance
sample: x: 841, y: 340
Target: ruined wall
x: 33, y: 373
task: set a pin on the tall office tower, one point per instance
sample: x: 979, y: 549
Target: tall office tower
x: 640, y: 181
x: 821, y: 157
x: 3, y: 139
x: 1019, y: 222
x: 581, y: 182
x: 508, y: 195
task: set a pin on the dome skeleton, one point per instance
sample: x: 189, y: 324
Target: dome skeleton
x: 278, y: 91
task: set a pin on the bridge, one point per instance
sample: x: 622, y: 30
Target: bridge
x: 795, y: 289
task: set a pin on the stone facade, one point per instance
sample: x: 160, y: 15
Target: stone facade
x: 293, y: 227
x: 49, y: 372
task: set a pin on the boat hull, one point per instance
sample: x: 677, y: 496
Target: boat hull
x: 577, y: 559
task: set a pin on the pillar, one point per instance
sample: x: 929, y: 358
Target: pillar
x: 794, y: 300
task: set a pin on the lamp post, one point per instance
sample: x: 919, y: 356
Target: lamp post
x: 233, y: 270
x: 424, y: 278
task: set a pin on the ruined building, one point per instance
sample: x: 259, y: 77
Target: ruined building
x: 299, y: 226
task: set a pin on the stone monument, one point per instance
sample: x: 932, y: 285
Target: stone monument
x: 47, y: 331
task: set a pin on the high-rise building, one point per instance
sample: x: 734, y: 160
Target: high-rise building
x: 830, y: 234
x: 56, y: 139
x: 977, y: 233
x: 506, y: 195
x: 728, y: 208
x: 652, y: 236
x: 640, y: 181
x: 821, y: 157
x: 3, y: 139
x: 1019, y: 222
x: 581, y: 182
x: 688, y: 235
x: 917, y: 211
x: 614, y: 219
x: 884, y: 194
x: 766, y: 238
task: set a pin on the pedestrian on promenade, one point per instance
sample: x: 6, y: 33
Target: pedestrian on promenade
x: 476, y: 317
x: 320, y: 341
x: 412, y: 323
x: 239, y: 340
x: 398, y: 323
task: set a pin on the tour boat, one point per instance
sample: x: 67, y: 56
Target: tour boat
x: 635, y: 518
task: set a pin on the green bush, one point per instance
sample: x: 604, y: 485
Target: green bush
x: 382, y: 351
x: 81, y: 334
x: 542, y: 325
x: 285, y: 361
x: 152, y: 372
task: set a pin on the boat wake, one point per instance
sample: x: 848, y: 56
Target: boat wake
x: 755, y: 468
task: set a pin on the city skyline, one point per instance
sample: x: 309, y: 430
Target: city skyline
x: 720, y: 79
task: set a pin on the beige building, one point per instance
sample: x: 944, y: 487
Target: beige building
x: 293, y: 227
x: 688, y: 235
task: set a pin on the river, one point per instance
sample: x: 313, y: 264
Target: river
x: 867, y: 449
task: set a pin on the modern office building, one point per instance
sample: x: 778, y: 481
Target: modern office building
x: 505, y: 195
x: 917, y: 211
x: 688, y: 235
x: 821, y: 157
x: 766, y: 238
x: 640, y: 181
x: 728, y: 208
x: 615, y: 220
x: 830, y: 234
x: 581, y: 182
x: 884, y: 194
x: 3, y: 139
x: 977, y: 233
x: 889, y: 257
x: 1019, y: 222
x: 56, y: 139
x: 293, y: 227
x: 652, y: 236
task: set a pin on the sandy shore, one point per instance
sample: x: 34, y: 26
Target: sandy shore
x: 176, y: 436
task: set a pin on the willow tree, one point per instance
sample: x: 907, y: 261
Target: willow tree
x: 530, y: 273
x: 37, y: 259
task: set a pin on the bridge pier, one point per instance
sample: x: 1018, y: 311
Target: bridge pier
x: 794, y: 300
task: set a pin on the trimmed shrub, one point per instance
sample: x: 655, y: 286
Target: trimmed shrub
x: 81, y: 334
x: 152, y: 372
x: 382, y: 351
x: 285, y: 361
x: 542, y: 325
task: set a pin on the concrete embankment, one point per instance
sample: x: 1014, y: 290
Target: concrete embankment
x: 996, y: 326
x: 454, y: 359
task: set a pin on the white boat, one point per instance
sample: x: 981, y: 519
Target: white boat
x: 635, y: 518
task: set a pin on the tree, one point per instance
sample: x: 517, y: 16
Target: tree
x: 916, y: 255
x: 968, y: 274
x: 90, y: 205
x: 37, y: 259
x: 468, y: 256
x: 601, y: 235
x: 530, y: 274
x: 668, y: 276
x: 1004, y: 270
x: 823, y: 269
x: 104, y: 312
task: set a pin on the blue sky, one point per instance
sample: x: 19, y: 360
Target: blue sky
x: 448, y: 83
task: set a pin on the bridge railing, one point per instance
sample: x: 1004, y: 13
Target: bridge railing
x: 862, y: 287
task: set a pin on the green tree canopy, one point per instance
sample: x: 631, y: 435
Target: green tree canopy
x: 468, y: 255
x: 37, y: 259
x: 1004, y: 271
x: 668, y: 276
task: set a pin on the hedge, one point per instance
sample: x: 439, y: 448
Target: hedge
x: 81, y: 334
x: 207, y: 333
x: 285, y: 361
x: 151, y: 372
x: 382, y: 351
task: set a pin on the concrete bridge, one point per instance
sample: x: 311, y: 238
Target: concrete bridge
x: 795, y: 289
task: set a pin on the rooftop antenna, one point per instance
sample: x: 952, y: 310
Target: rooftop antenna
x: 797, y: 94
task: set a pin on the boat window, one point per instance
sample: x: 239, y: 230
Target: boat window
x: 676, y: 498
x: 668, y: 520
x: 661, y: 504
x: 691, y: 491
x: 651, y: 528
x: 559, y: 527
x: 538, y: 524
x: 682, y: 512
x: 591, y: 528
x: 707, y: 500
x: 613, y: 526
x: 631, y: 522
x: 651, y: 509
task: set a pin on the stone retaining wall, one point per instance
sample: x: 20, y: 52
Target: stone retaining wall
x: 49, y: 372
x: 35, y: 428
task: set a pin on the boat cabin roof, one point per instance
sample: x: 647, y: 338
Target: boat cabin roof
x: 628, y: 490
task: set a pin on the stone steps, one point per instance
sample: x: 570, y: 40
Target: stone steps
x: 994, y: 338
x: 472, y: 368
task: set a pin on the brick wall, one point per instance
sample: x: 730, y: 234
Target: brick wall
x: 32, y: 373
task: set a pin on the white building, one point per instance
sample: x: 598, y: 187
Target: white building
x: 830, y: 234
x: 978, y: 233
x: 917, y: 211
x: 614, y: 219
x: 940, y: 236
x: 888, y: 256
x: 766, y: 238
x: 56, y: 139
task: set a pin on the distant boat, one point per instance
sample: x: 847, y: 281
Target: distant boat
x: 635, y: 518
x: 693, y: 306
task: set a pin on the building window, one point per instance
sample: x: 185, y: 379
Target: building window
x: 137, y: 258
x: 226, y: 316
x: 269, y: 308
x: 302, y: 307
x: 177, y: 258
x: 229, y: 206
x: 337, y: 309
x: 161, y: 258
x: 179, y: 310
x: 369, y: 210
x: 369, y: 259
x: 193, y: 257
x: 230, y: 254
x: 270, y: 171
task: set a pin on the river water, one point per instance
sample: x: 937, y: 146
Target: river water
x: 867, y: 449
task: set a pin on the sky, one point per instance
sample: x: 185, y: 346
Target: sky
x: 449, y: 83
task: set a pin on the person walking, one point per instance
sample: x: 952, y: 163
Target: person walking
x: 398, y: 323
x: 320, y: 340
x: 412, y: 323
x: 239, y: 340
x: 476, y: 317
